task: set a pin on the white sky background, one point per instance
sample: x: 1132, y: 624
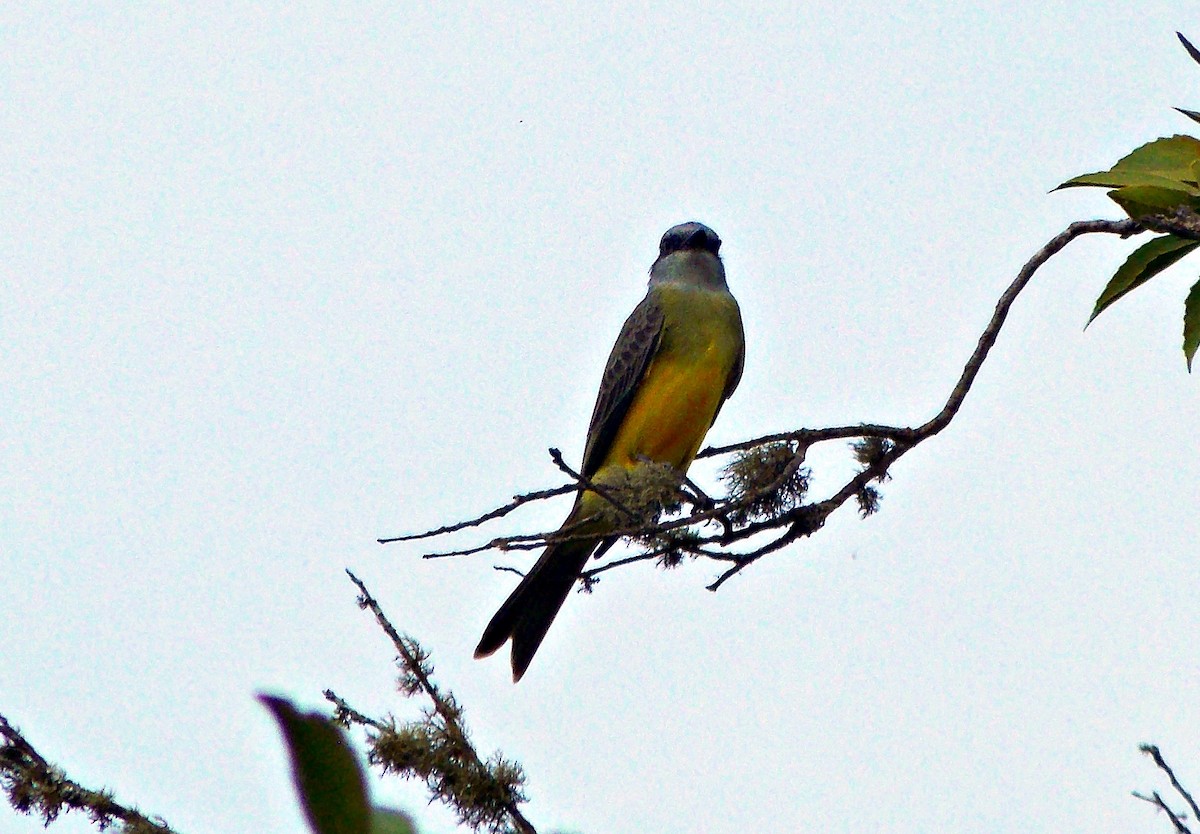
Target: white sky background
x: 276, y: 283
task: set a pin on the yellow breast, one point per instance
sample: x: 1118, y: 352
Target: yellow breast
x: 681, y: 390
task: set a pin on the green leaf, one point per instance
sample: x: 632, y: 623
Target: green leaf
x: 388, y: 821
x: 1141, y: 200
x: 1191, y: 324
x: 1166, y: 163
x: 1120, y: 179
x: 1143, y: 264
x: 326, y: 771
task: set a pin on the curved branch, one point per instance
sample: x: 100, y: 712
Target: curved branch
x: 987, y: 339
x: 791, y: 523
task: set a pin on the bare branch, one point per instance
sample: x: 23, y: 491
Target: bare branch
x: 1156, y: 800
x: 810, y: 437
x: 587, y: 484
x: 1124, y: 228
x: 499, y: 512
x: 1153, y: 752
x: 347, y: 715
x: 616, y: 563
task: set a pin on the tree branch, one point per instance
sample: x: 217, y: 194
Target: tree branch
x: 499, y: 512
x: 791, y: 520
x: 1155, y: 799
x: 437, y: 748
x: 34, y: 786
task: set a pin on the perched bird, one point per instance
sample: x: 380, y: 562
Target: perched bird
x: 678, y: 358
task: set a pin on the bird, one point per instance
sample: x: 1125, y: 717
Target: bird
x: 678, y: 357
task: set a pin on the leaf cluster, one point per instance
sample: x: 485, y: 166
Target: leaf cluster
x: 1157, y: 185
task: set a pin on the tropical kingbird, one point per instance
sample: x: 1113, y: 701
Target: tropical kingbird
x: 678, y: 358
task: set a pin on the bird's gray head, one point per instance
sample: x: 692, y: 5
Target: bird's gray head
x: 691, y: 235
x: 687, y: 254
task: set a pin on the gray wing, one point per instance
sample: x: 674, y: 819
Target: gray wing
x: 735, y: 375
x: 626, y: 366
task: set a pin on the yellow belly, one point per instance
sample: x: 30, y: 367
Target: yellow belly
x: 672, y: 410
x: 680, y: 391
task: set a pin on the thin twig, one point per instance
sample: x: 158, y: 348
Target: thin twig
x: 499, y: 512
x: 810, y: 437
x: 494, y: 544
x: 1161, y: 763
x: 526, y: 541
x: 625, y: 560
x: 587, y: 484
x: 794, y: 532
x: 1157, y: 801
x: 346, y: 714
x: 701, y: 499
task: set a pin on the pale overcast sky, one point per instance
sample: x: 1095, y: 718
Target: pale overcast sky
x: 279, y: 281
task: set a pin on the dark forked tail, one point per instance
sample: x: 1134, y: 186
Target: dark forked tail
x: 527, y: 613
